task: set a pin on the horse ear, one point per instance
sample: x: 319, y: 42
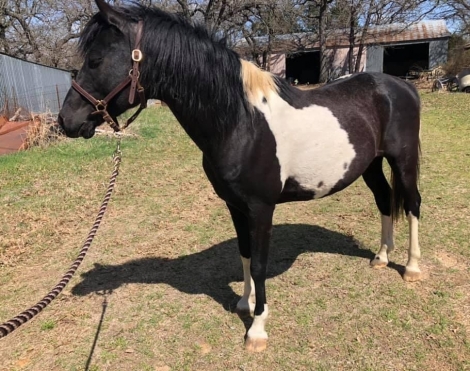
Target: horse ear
x: 110, y: 15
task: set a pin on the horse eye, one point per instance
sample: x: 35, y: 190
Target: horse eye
x: 93, y: 63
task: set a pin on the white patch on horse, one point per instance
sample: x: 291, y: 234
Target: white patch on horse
x: 387, y: 233
x: 247, y: 302
x: 414, y: 252
x: 386, y: 243
x: 311, y: 146
x: 343, y: 77
x: 257, y: 330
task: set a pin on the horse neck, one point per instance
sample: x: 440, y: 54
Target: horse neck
x: 200, y: 81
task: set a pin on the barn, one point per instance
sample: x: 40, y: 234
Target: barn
x: 394, y: 49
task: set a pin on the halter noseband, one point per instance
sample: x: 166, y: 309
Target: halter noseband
x: 101, y: 105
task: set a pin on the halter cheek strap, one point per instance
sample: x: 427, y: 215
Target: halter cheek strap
x: 101, y: 105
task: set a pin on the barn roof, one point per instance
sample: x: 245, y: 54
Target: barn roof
x: 384, y: 34
x: 399, y: 32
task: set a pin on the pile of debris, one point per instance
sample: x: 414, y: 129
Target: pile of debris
x: 24, y: 130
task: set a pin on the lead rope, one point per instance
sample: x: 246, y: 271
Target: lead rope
x: 11, y: 325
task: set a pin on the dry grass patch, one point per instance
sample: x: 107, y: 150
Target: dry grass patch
x: 42, y: 132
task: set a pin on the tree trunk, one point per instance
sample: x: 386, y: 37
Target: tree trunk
x: 352, y: 26
x: 322, y: 40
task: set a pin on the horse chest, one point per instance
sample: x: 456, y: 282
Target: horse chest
x: 312, y: 148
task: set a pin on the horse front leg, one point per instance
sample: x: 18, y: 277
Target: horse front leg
x: 260, y: 226
x: 246, y: 305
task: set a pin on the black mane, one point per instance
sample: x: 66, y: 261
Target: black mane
x: 185, y: 62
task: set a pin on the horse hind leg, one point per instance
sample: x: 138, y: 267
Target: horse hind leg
x: 376, y: 181
x: 406, y: 196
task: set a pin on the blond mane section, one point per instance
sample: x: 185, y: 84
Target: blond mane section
x: 258, y: 84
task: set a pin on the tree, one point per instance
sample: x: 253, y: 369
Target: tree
x: 46, y: 31
x: 318, y: 11
x: 43, y: 31
x: 263, y: 24
x: 456, y: 11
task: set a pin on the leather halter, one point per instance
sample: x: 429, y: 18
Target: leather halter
x: 101, y: 105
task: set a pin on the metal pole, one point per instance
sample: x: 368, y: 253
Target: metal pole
x: 58, y: 97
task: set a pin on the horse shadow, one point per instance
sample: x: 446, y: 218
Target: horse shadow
x: 212, y: 270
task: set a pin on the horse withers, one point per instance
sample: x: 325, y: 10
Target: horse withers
x: 263, y: 141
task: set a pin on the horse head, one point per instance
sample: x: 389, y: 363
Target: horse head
x: 107, y: 47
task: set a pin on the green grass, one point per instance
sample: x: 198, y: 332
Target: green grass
x: 47, y: 325
x: 166, y: 258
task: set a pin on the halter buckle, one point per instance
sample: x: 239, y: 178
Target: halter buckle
x: 137, y: 55
x: 131, y: 73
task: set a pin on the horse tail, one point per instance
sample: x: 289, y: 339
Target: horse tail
x: 398, y: 191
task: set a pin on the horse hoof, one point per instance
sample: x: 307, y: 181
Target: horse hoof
x: 256, y: 345
x: 378, y: 263
x: 412, y: 275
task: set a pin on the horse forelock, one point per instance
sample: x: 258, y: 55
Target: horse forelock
x: 257, y: 84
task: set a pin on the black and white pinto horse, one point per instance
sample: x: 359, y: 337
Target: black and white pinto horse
x: 263, y: 141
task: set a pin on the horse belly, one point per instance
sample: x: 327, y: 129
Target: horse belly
x: 313, y: 150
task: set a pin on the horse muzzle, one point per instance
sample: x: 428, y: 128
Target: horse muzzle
x: 85, y: 129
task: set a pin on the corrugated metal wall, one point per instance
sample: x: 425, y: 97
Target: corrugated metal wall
x: 375, y: 58
x: 438, y: 50
x: 31, y: 86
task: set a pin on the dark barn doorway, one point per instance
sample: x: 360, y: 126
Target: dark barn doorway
x: 398, y: 59
x: 304, y: 67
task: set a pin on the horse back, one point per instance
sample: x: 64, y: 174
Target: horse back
x: 311, y: 144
